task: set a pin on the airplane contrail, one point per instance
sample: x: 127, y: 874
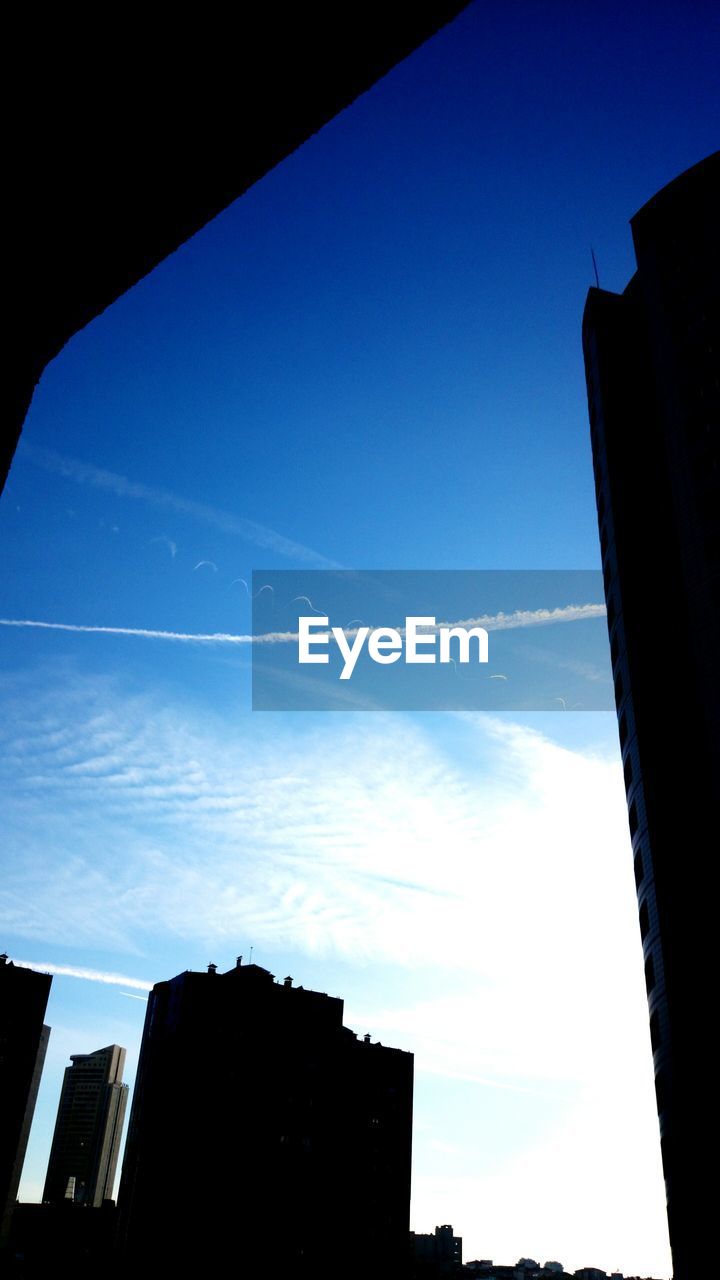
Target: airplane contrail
x: 492, y: 622
x: 89, y: 975
x: 260, y: 535
x: 143, y: 633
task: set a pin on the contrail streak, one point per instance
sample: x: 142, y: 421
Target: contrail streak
x: 260, y: 535
x: 89, y: 975
x: 492, y: 622
x: 141, y: 632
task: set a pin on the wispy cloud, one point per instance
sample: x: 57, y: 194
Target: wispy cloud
x: 259, y: 535
x: 324, y: 840
x: 471, y: 885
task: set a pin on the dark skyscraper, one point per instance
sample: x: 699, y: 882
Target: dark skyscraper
x: 652, y: 363
x: 86, y: 1142
x: 264, y: 1135
x: 23, y: 1042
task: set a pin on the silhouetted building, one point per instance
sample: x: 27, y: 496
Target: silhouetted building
x: 651, y: 358
x: 48, y: 1240
x: 264, y: 1134
x: 23, y: 1042
x: 88, y: 1129
x: 439, y: 1254
x: 529, y: 1269
x: 523, y: 1269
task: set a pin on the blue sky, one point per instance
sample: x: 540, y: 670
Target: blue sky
x: 371, y: 360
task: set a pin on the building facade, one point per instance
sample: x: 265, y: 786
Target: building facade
x: 652, y: 363
x: 23, y: 1043
x: 88, y: 1129
x: 264, y: 1132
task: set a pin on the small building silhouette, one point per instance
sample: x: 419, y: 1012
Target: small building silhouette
x: 439, y: 1254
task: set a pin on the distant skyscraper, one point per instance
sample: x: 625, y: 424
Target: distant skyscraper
x: 652, y: 362
x: 265, y: 1138
x: 86, y: 1142
x: 23, y: 1042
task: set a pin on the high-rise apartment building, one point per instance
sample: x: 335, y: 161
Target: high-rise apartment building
x: 652, y: 358
x: 265, y: 1137
x: 88, y: 1129
x: 23, y: 1043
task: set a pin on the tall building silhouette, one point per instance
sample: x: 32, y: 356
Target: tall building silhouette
x: 23, y: 1043
x: 264, y: 1135
x: 88, y: 1129
x: 651, y: 359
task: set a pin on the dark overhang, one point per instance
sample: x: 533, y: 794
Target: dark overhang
x: 133, y: 128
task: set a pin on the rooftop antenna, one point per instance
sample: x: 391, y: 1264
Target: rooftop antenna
x: 597, y: 278
x: 250, y: 960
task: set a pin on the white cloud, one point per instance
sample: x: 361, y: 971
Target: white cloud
x: 367, y: 842
x: 474, y: 875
